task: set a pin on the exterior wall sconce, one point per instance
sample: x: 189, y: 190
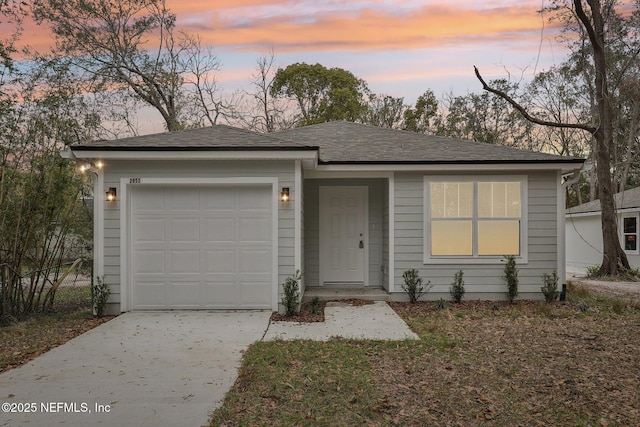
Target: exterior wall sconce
x: 111, y: 194
x: 284, y: 194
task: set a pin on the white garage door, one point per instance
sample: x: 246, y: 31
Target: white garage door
x: 201, y: 247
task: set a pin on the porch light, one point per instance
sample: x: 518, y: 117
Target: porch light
x: 284, y: 194
x: 88, y: 166
x: 111, y: 194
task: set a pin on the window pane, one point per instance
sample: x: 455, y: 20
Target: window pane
x: 451, y: 238
x: 485, y: 200
x: 452, y: 200
x: 499, y: 200
x: 437, y: 200
x: 498, y: 237
x: 514, y: 200
x: 630, y: 243
x: 630, y: 225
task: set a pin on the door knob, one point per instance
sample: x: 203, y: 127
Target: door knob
x: 361, y: 244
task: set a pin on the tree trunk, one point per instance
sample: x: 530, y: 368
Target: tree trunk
x: 614, y: 260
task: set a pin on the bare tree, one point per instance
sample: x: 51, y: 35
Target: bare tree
x: 130, y: 44
x: 614, y: 260
x: 258, y: 109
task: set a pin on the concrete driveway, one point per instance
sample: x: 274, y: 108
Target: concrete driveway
x: 139, y: 369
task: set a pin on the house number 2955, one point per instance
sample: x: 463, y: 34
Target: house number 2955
x: 135, y: 180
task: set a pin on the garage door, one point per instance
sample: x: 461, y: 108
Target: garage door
x: 201, y: 247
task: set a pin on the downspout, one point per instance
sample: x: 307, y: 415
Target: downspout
x: 569, y: 179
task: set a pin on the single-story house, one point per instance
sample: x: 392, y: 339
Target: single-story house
x: 219, y: 217
x: 584, y: 231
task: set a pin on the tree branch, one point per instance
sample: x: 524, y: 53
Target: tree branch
x: 525, y: 114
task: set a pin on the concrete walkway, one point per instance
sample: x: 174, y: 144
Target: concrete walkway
x: 139, y: 369
x: 375, y: 321
x: 163, y: 368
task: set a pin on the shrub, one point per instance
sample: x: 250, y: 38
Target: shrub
x: 315, y: 305
x: 550, y: 286
x: 511, y: 277
x: 413, y: 285
x: 441, y: 304
x: 457, y: 287
x: 100, y: 295
x: 592, y: 270
x: 291, y: 294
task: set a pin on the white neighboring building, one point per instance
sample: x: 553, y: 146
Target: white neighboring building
x: 584, y: 231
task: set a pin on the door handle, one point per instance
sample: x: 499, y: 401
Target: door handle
x: 361, y: 244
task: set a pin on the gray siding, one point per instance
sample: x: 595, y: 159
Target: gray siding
x: 114, y: 170
x: 376, y: 210
x: 482, y: 281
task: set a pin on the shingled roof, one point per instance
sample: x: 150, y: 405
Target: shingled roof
x: 343, y: 142
x: 625, y: 200
x: 214, y: 138
x: 338, y: 142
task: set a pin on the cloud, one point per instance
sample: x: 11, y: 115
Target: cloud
x: 371, y: 26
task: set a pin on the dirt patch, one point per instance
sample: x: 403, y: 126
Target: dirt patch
x: 310, y: 314
x: 628, y: 291
x: 521, y: 364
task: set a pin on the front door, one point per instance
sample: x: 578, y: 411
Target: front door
x: 342, y: 235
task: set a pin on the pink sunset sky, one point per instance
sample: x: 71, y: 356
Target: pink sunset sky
x: 400, y: 48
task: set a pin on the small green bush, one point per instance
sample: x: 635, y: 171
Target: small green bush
x: 413, y: 285
x: 457, y: 287
x: 511, y: 277
x: 315, y: 305
x: 593, y: 270
x: 441, y: 304
x: 100, y: 295
x: 550, y: 286
x: 291, y: 294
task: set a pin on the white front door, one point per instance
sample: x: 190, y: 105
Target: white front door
x: 342, y: 235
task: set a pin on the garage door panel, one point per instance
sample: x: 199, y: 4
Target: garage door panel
x: 149, y: 201
x: 201, y: 247
x: 184, y: 199
x: 219, y: 230
x: 219, y: 199
x: 220, y: 261
x: 255, y: 230
x: 150, y: 294
x: 149, y: 230
x: 183, y: 229
x: 220, y: 293
x: 254, y: 261
x: 254, y: 199
x: 252, y: 294
x: 184, y: 261
x: 149, y: 261
x: 185, y: 294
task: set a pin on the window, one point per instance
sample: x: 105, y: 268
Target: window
x: 630, y: 234
x: 474, y: 218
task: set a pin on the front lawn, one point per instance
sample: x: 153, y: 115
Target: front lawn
x: 478, y: 363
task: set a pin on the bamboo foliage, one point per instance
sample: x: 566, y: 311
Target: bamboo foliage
x: 40, y: 204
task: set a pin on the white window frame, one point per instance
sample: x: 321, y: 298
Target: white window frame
x: 623, y: 234
x: 523, y: 258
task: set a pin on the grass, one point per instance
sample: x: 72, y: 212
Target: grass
x: 71, y: 316
x: 476, y: 364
